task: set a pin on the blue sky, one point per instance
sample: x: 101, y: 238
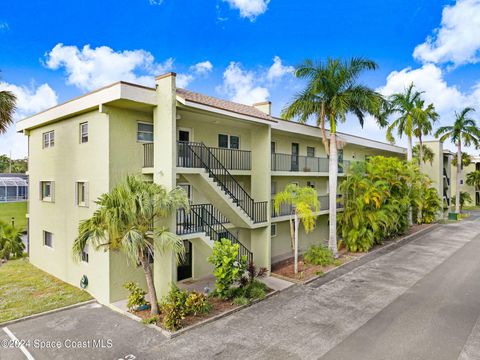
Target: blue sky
x: 241, y: 50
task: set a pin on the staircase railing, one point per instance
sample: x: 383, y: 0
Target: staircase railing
x: 197, y: 155
x: 205, y: 218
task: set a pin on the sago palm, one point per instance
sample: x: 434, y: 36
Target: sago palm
x: 333, y: 91
x: 303, y: 202
x: 11, y: 243
x: 7, y: 108
x: 404, y: 105
x: 464, y: 131
x: 124, y: 222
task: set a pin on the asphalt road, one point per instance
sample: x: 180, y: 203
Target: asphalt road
x: 420, y: 300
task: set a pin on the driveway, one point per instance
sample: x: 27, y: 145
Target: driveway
x: 418, y: 301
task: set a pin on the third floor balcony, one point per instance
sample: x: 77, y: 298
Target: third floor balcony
x: 299, y: 163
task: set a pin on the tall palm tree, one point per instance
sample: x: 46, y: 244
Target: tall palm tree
x: 466, y: 160
x: 404, y: 104
x: 424, y: 118
x: 333, y: 91
x: 124, y: 221
x: 8, y: 102
x: 303, y: 202
x: 473, y: 179
x: 464, y: 131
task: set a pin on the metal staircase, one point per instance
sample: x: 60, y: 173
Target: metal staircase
x: 197, y: 155
x: 204, y: 218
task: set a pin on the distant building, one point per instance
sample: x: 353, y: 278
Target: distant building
x: 13, y: 187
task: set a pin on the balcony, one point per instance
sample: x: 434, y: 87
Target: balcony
x: 297, y: 163
x: 286, y: 210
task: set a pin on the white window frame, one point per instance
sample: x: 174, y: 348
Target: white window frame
x: 83, y: 134
x: 146, y: 132
x: 44, y: 238
x: 81, y: 202
x: 48, y: 139
x: 311, y: 147
x: 42, y: 187
x: 273, y: 233
x: 229, y: 141
x: 189, y: 191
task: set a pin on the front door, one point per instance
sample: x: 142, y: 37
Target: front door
x: 184, y: 269
x: 295, y: 151
x: 184, y: 153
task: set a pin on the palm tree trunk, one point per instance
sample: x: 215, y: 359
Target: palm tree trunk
x: 409, y: 149
x: 332, y: 184
x: 295, y: 265
x: 459, y: 174
x: 152, y: 294
x: 420, y: 150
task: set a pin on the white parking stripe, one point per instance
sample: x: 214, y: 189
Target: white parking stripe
x: 22, y: 348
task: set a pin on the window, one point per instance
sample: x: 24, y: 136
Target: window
x: 48, y: 139
x: 81, y: 193
x: 188, y: 190
x: 226, y: 141
x: 311, y: 184
x: 83, y: 133
x: 234, y: 142
x: 273, y: 147
x: 273, y: 230
x: 48, y: 239
x: 144, y: 132
x: 310, y: 151
x: 85, y: 254
x: 46, y: 190
x: 273, y: 188
x: 222, y: 141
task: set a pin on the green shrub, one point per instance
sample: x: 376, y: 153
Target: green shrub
x: 173, y: 308
x: 227, y: 268
x: 319, y: 255
x: 180, y: 303
x: 197, y: 303
x: 240, y: 300
x: 256, y: 290
x: 136, y: 297
x: 150, y: 320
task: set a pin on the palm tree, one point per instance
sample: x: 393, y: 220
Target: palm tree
x: 473, y: 179
x: 11, y: 243
x: 7, y: 108
x: 333, y: 91
x: 427, y: 154
x: 303, y: 202
x: 124, y: 221
x: 466, y: 160
x: 464, y: 131
x: 424, y: 118
x: 404, y: 104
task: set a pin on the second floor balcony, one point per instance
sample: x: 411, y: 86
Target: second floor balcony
x: 232, y: 159
x: 299, y: 163
x: 286, y: 210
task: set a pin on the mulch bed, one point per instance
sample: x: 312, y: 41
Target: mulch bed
x: 307, y: 271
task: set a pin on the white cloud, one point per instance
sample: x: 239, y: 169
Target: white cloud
x: 278, y: 70
x: 249, y: 8
x: 89, y: 69
x: 202, y: 68
x: 183, y: 80
x: 155, y: 2
x: 4, y: 26
x: 240, y: 85
x: 30, y: 100
x: 457, y: 40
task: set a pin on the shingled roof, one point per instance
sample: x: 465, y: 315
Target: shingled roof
x: 223, y: 104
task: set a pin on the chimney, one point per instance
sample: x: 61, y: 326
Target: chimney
x: 265, y: 107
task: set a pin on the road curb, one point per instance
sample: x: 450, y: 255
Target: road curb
x: 53, y: 311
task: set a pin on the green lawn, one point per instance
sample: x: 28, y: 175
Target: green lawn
x: 18, y: 210
x: 26, y: 290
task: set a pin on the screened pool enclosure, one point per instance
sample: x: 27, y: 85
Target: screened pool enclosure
x: 13, y: 189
